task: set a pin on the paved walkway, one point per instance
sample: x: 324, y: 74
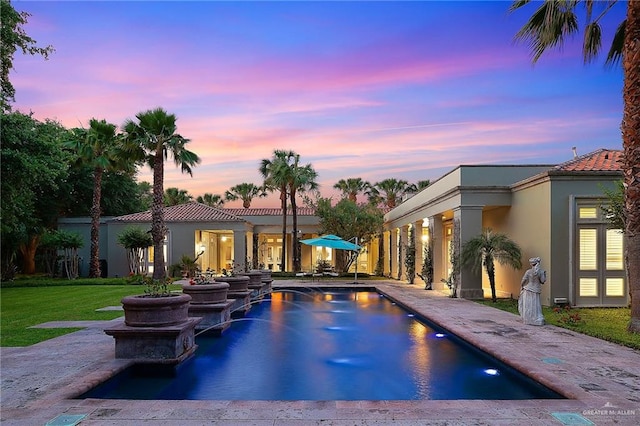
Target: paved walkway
x: 601, y: 380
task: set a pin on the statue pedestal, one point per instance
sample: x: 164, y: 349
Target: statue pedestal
x: 241, y: 303
x: 216, y: 317
x: 169, y: 344
x: 258, y: 291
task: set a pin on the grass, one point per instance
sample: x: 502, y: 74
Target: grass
x: 604, y: 323
x: 23, y: 307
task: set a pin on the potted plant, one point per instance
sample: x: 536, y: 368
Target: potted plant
x: 157, y: 307
x: 204, y: 291
x: 189, y: 266
x: 157, y: 327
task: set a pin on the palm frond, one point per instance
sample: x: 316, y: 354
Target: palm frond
x: 614, y: 57
x: 548, y: 27
x: 592, y: 42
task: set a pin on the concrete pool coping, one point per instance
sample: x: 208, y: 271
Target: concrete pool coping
x: 601, y: 379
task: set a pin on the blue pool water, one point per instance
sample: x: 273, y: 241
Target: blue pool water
x: 337, y: 345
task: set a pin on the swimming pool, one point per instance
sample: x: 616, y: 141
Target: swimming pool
x: 330, y: 345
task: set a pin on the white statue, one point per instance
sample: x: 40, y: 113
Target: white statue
x: 529, y: 304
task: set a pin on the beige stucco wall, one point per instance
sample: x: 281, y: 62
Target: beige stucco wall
x: 529, y: 225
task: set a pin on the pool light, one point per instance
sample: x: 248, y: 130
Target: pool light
x: 491, y: 372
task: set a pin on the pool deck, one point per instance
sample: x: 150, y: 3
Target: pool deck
x: 602, y: 380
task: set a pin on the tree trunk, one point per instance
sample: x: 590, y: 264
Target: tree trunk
x: 94, y: 260
x: 295, y: 251
x: 157, y: 215
x: 28, y: 252
x: 283, y: 204
x: 631, y: 160
x: 492, y: 283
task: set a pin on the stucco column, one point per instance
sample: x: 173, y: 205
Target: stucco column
x: 393, y: 252
x: 470, y: 222
x: 438, y: 251
x: 386, y: 247
x: 404, y: 241
x: 239, y: 248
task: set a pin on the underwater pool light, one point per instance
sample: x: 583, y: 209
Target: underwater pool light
x: 491, y: 372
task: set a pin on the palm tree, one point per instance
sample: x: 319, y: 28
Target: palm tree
x: 301, y: 179
x: 422, y: 184
x: 152, y: 139
x: 352, y: 187
x: 276, y: 174
x: 389, y: 191
x: 211, y: 200
x: 98, y: 148
x: 487, y: 247
x: 175, y: 196
x: 245, y: 192
x: 549, y: 26
x: 145, y: 194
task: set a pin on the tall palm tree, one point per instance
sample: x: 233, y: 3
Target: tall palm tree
x: 98, y: 147
x: 550, y: 25
x: 175, y: 196
x: 352, y: 187
x: 301, y: 179
x: 152, y: 138
x: 276, y: 174
x: 245, y: 192
x: 488, y: 247
x: 390, y: 191
x: 211, y: 200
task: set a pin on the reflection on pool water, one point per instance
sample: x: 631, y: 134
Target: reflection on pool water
x: 334, y: 345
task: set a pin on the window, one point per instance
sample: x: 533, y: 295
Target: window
x: 600, y: 275
x: 588, y: 242
x: 615, y: 287
x: 588, y: 287
x: 588, y: 213
x: 615, y: 253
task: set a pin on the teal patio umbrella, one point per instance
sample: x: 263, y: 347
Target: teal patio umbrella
x: 334, y: 242
x: 331, y: 241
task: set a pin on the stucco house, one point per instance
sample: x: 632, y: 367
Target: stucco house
x: 551, y: 211
x: 220, y: 238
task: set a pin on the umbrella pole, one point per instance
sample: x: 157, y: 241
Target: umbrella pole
x: 357, y: 254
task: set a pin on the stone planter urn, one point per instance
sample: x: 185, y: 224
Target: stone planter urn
x: 255, y: 278
x: 207, y: 294
x: 145, y: 311
x: 266, y: 275
x: 237, y: 284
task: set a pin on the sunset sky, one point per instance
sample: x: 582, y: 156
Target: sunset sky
x: 376, y: 90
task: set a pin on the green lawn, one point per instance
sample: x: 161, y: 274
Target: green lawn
x: 23, y: 307
x: 604, y: 323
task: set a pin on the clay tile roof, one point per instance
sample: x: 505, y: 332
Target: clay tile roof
x: 602, y: 160
x: 189, y: 212
x: 302, y: 211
